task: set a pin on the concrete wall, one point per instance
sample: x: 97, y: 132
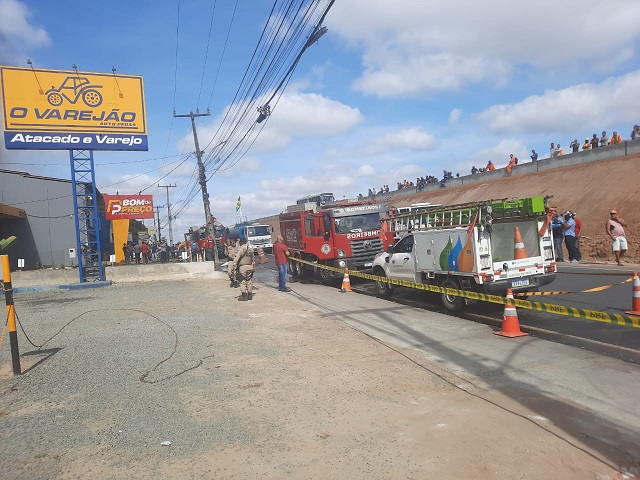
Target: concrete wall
x: 579, y: 158
x: 48, y: 232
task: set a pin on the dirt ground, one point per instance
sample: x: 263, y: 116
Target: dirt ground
x: 591, y: 191
x: 294, y: 393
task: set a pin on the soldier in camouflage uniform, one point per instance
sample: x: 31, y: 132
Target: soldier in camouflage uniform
x: 231, y: 249
x: 244, y: 262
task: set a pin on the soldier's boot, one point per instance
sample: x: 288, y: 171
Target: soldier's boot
x: 250, y: 296
x: 243, y: 297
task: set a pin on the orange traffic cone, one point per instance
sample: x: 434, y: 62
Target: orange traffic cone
x: 346, y: 283
x: 519, y: 251
x: 510, y: 323
x: 635, y: 301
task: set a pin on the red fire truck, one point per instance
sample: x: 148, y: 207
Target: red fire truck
x: 344, y: 235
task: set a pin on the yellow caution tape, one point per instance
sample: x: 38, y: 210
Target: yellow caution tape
x: 598, y: 316
x: 590, y: 290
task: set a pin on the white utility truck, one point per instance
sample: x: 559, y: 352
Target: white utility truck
x: 485, y: 247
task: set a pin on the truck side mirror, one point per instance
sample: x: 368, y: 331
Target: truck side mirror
x: 390, y: 249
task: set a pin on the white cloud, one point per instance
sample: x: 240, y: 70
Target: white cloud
x: 366, y: 171
x: 413, y: 138
x: 296, y: 115
x: 455, y: 115
x: 399, y: 77
x: 414, y: 48
x: 572, y: 109
x: 17, y: 35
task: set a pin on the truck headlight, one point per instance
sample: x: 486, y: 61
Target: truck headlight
x: 342, y: 264
x: 341, y: 253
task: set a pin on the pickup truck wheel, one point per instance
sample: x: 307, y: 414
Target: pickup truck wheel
x: 452, y: 303
x: 383, y: 288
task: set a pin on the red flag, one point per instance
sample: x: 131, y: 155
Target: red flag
x: 545, y: 225
x: 384, y: 228
x: 473, y: 225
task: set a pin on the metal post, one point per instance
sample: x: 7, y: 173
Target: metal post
x: 11, y: 314
x: 203, y: 183
x: 168, y: 211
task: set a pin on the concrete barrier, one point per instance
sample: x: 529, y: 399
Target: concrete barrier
x: 49, y: 277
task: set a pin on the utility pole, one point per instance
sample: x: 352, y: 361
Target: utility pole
x: 203, y: 181
x: 158, y: 215
x: 168, y: 211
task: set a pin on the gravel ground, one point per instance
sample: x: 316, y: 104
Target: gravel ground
x: 265, y: 389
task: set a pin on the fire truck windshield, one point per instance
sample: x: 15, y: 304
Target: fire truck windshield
x: 358, y: 223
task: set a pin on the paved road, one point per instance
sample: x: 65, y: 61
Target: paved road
x: 612, y: 340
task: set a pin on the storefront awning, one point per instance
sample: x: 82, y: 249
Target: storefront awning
x: 7, y: 212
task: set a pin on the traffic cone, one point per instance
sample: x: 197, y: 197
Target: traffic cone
x: 519, y: 251
x: 635, y: 301
x: 510, y: 323
x: 346, y: 283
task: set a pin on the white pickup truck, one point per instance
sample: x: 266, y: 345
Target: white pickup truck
x: 488, y: 255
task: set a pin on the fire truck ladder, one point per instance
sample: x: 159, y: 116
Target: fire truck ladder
x: 465, y: 214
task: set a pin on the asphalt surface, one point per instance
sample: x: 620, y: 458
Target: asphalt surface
x: 621, y: 342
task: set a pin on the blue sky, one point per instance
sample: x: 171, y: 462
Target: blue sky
x: 393, y: 90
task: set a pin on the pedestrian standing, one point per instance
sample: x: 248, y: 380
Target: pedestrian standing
x: 615, y: 230
x: 244, y: 263
x: 231, y: 268
x: 194, y: 251
x: 136, y: 252
x: 569, y: 226
x: 534, y: 156
x: 558, y: 235
x: 578, y: 229
x: 144, y: 251
x: 281, y: 252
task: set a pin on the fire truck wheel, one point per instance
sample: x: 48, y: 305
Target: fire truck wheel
x: 452, y: 303
x: 325, y: 276
x: 383, y: 288
x: 299, y: 269
x: 294, y: 268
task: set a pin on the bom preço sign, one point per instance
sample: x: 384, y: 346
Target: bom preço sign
x: 60, y: 109
x: 123, y: 207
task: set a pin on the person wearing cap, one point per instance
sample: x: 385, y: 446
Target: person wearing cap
x: 614, y: 228
x: 569, y: 226
x: 604, y: 139
x: 575, y: 146
x: 586, y: 145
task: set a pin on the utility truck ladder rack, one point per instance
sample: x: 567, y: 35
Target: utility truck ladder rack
x: 467, y: 214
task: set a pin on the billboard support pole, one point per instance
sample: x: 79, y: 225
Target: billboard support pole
x: 85, y: 206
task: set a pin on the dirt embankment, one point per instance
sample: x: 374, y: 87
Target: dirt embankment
x: 591, y: 190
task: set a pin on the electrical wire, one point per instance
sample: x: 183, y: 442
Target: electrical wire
x: 206, y: 55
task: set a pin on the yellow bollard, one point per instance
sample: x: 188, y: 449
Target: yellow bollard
x: 11, y: 314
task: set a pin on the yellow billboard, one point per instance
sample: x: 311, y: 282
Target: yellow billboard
x: 68, y: 109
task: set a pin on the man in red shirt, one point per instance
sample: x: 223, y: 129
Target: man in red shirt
x: 577, y: 229
x: 144, y: 249
x: 281, y: 252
